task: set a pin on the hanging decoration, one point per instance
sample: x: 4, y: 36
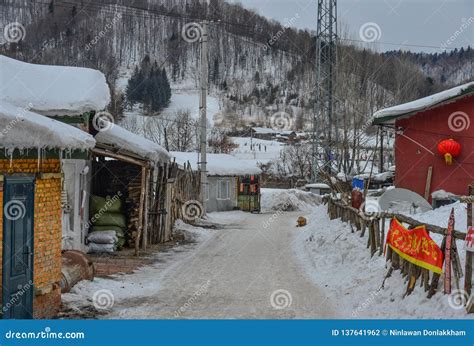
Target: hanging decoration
x: 449, y: 149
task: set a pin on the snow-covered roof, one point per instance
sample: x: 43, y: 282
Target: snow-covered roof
x: 317, y: 186
x: 219, y: 164
x: 124, y: 141
x: 23, y: 129
x: 264, y: 130
x: 52, y: 90
x: 388, y: 115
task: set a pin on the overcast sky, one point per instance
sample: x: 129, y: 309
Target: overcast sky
x: 439, y: 23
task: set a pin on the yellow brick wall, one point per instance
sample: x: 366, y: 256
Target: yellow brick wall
x: 47, y: 232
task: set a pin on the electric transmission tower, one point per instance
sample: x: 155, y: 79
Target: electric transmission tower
x: 323, y: 119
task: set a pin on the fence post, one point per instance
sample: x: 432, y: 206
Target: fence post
x: 468, y: 266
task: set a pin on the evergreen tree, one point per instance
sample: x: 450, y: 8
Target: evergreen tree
x: 150, y: 86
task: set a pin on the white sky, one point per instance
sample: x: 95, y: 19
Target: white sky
x: 403, y: 22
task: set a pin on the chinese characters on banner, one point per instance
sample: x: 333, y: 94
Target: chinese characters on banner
x: 415, y: 246
x: 470, y: 239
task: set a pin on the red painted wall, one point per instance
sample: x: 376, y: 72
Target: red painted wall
x: 429, y: 128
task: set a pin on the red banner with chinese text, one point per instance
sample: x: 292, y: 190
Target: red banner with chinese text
x: 415, y: 246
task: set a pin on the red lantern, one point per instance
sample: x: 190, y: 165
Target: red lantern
x: 450, y: 149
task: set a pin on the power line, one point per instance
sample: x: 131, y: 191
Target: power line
x: 129, y: 10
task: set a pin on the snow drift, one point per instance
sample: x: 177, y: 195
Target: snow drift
x: 288, y: 200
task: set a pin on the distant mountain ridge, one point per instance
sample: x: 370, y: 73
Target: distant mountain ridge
x: 256, y: 66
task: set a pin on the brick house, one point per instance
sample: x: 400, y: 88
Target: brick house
x: 31, y: 148
x: 74, y: 96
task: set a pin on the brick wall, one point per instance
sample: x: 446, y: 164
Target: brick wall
x: 47, y: 232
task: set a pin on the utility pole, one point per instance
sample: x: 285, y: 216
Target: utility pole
x: 381, y: 163
x: 326, y: 41
x: 203, y: 113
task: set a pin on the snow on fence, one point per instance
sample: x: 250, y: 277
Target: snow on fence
x: 375, y: 226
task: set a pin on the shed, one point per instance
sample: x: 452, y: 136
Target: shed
x: 420, y: 126
x: 31, y: 149
x: 126, y: 165
x: 229, y: 179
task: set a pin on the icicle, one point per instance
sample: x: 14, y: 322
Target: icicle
x: 10, y: 153
x: 39, y: 158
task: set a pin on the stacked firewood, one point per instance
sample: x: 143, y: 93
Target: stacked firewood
x: 132, y: 203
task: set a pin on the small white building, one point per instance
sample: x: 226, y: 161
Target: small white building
x: 223, y: 176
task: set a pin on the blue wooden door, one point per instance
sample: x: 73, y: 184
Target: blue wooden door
x: 17, y: 278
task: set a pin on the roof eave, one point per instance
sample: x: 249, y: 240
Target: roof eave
x: 390, y: 119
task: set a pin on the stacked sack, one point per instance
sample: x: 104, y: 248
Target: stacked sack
x: 106, y: 216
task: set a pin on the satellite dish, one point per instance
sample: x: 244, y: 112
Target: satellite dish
x: 403, y: 201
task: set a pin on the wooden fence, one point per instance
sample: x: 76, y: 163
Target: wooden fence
x: 173, y: 186
x: 375, y: 226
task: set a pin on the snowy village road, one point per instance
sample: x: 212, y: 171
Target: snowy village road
x: 240, y: 271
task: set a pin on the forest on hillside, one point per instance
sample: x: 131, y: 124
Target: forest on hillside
x: 257, y: 67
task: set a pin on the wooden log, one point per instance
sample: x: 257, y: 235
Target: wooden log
x: 382, y: 236
x: 377, y: 235
x: 436, y: 276
x: 468, y: 264
x: 140, y: 211
x: 428, y: 182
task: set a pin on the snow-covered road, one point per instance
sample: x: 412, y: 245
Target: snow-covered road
x: 244, y: 269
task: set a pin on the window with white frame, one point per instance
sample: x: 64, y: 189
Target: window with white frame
x: 206, y: 194
x: 223, y: 189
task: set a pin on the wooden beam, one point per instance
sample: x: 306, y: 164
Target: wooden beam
x: 428, y: 182
x: 140, y: 210
x: 145, y: 212
x: 468, y: 264
x: 120, y: 157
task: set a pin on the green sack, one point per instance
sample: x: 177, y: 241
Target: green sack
x: 119, y: 230
x: 107, y: 204
x: 120, y: 243
x: 110, y: 219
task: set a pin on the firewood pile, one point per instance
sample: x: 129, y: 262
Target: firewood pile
x: 114, y: 177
